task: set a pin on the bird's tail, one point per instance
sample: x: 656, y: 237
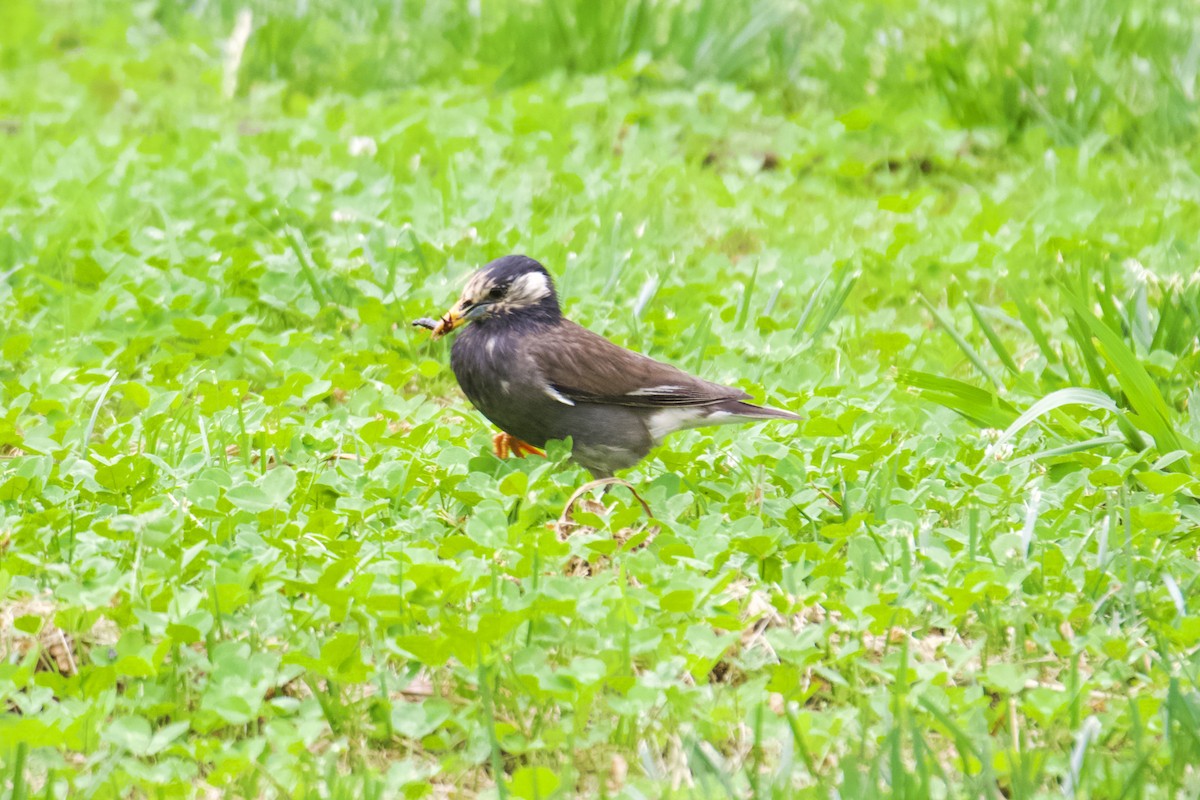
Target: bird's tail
x: 751, y: 411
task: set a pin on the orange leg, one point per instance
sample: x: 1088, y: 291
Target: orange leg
x: 504, y: 444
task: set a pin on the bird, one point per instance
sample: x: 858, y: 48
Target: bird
x: 538, y: 376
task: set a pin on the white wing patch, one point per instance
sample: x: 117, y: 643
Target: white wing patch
x: 550, y: 390
x: 669, y: 420
x: 654, y: 391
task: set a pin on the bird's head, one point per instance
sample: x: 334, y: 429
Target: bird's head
x: 515, y: 286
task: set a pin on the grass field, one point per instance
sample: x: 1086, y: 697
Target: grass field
x: 254, y: 542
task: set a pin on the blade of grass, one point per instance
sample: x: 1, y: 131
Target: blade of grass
x: 1030, y: 320
x: 964, y: 743
x: 1103, y: 291
x: 747, y: 293
x: 798, y: 739
x: 1074, y: 447
x: 970, y: 352
x: 811, y: 305
x: 1140, y: 327
x: 86, y: 441
x: 307, y: 266
x: 17, y: 782
x: 830, y: 309
x: 1139, y: 388
x: 1063, y: 397
x: 1088, y: 354
x: 989, y: 332
x: 489, y: 712
x: 980, y: 405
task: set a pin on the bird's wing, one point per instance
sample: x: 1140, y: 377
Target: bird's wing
x: 580, y: 366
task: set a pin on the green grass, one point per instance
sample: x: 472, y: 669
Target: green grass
x: 253, y: 542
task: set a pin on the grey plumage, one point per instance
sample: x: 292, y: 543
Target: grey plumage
x: 538, y: 376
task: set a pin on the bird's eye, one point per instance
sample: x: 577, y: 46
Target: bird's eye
x: 496, y: 293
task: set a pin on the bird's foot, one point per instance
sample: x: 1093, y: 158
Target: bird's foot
x: 505, y: 444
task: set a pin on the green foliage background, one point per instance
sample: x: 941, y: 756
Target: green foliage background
x: 253, y: 541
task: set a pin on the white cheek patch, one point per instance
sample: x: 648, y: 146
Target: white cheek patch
x: 527, y: 290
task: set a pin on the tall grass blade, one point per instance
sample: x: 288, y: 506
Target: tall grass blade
x: 970, y: 352
x: 811, y: 305
x: 307, y: 266
x: 1072, y: 448
x: 1087, y: 354
x: 1103, y: 291
x: 86, y: 442
x: 747, y: 294
x: 831, y: 308
x: 1141, y: 329
x: 1063, y: 397
x: 993, y: 339
x: 979, y: 405
x: 1140, y: 390
x: 1029, y: 319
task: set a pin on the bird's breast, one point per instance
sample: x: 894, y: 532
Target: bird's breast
x: 503, y: 383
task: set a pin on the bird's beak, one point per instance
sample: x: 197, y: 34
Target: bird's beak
x: 458, y: 315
